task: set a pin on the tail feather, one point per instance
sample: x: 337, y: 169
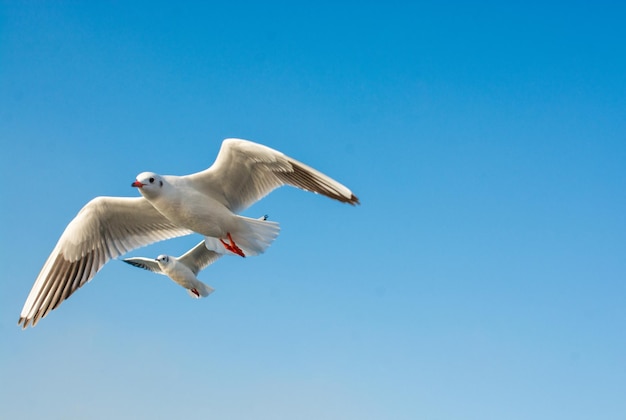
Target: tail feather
x: 254, y: 236
x: 203, y: 289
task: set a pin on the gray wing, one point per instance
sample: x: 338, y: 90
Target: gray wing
x: 244, y: 172
x: 198, y: 258
x: 105, y: 228
x: 145, y: 263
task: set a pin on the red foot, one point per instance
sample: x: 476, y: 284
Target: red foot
x: 195, y: 292
x: 232, y: 246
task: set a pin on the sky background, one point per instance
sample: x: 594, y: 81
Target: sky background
x: 483, y: 276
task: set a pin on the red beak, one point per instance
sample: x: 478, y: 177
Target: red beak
x: 137, y: 184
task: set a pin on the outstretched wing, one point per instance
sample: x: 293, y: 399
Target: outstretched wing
x: 105, y: 228
x: 145, y: 263
x: 244, y: 172
x: 199, y: 257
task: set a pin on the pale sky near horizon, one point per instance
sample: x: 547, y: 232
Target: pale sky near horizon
x: 483, y: 276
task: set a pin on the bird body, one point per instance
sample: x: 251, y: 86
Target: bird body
x: 181, y: 274
x: 177, y: 199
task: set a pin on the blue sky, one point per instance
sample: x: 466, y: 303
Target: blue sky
x: 483, y: 276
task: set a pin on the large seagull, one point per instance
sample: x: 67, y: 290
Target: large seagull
x: 206, y: 202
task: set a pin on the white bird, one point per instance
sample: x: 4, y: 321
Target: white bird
x: 205, y: 202
x: 184, y: 269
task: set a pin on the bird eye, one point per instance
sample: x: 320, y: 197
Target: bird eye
x: 151, y: 180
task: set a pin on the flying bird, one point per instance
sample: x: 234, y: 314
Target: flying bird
x: 206, y: 202
x: 184, y: 269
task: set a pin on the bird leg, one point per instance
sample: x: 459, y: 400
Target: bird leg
x: 195, y: 292
x: 232, y: 246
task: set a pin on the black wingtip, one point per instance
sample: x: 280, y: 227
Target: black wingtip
x: 133, y: 263
x: 24, y: 323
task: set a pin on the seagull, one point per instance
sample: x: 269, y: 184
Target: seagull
x: 206, y: 202
x: 184, y: 269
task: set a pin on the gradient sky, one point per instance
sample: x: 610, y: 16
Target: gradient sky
x: 483, y: 276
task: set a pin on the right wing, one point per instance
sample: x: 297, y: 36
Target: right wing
x: 145, y: 263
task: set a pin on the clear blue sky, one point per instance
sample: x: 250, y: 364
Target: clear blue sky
x: 483, y: 276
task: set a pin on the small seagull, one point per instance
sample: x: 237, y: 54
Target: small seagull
x: 184, y: 269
